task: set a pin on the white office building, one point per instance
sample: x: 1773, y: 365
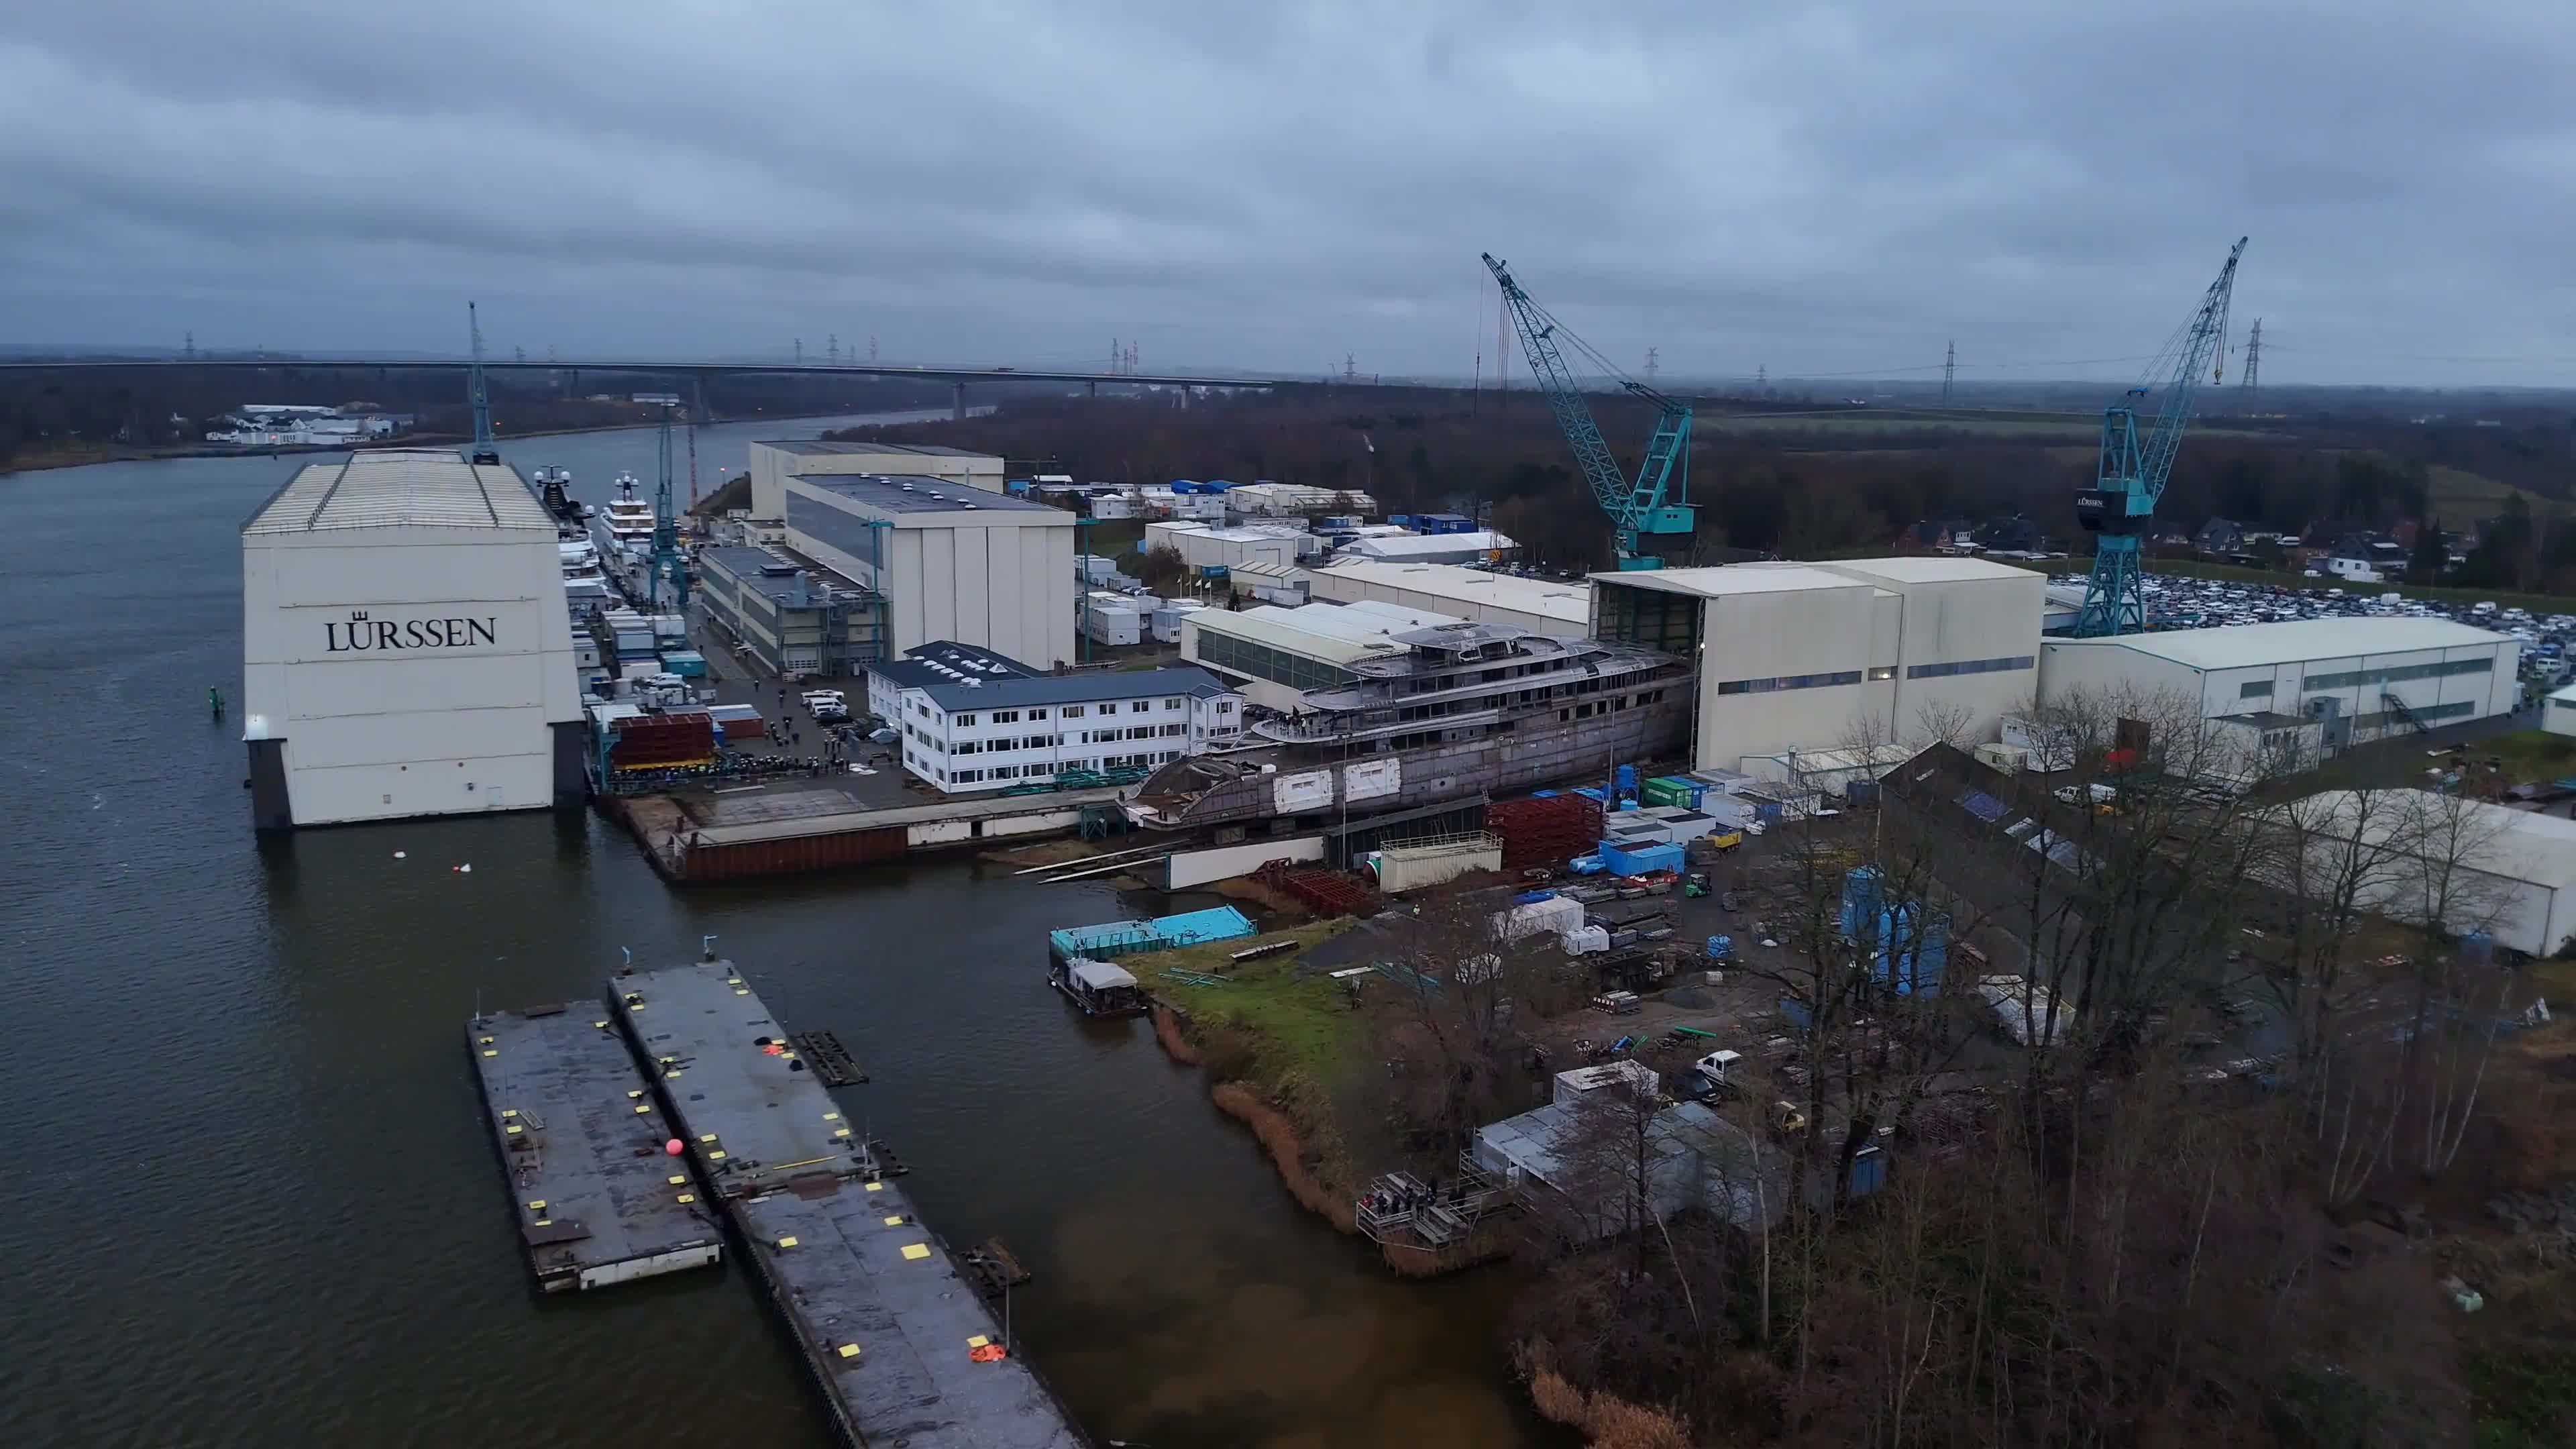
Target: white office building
x: 1812, y: 658
x: 1557, y: 607
x: 2357, y: 678
x: 772, y: 464
x: 973, y: 720
x: 406, y: 645
x: 985, y: 569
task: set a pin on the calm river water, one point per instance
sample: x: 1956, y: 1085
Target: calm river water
x: 255, y: 1204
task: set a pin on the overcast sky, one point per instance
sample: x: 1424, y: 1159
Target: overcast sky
x: 1820, y: 188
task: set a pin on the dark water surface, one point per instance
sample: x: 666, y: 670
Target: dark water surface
x: 255, y: 1204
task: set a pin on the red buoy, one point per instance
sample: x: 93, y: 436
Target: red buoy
x: 675, y: 1147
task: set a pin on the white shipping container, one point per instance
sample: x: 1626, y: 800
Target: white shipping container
x: 1406, y: 868
x: 1115, y: 625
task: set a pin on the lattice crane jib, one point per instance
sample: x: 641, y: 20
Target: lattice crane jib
x: 2132, y: 469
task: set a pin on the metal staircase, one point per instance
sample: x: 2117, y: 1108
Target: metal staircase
x: 2402, y: 712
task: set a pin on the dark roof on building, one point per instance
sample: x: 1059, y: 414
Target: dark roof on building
x: 940, y: 662
x: 913, y: 493
x: 815, y: 447
x: 942, y: 668
x: 789, y: 582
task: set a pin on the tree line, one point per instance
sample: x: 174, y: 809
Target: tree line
x: 1787, y: 490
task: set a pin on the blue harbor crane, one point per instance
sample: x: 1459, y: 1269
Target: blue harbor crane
x: 670, y: 574
x: 2121, y: 506
x: 1657, y: 500
x: 485, y: 450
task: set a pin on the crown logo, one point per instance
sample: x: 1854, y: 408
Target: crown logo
x: 357, y: 616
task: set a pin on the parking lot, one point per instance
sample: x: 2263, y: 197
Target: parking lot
x: 2548, y: 639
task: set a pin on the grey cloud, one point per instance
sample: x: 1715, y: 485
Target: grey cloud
x: 1823, y: 188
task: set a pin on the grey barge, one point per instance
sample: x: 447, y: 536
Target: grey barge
x: 596, y: 1198
x: 897, y: 1340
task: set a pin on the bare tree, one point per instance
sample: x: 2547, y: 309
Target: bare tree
x: 1462, y: 988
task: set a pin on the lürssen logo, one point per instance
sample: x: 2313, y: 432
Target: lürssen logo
x: 360, y: 634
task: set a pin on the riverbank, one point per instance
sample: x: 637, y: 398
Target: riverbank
x: 1278, y: 1048
x: 1283, y: 1052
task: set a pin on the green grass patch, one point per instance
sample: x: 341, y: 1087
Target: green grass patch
x: 2530, y: 755
x: 2459, y: 495
x: 1295, y: 1021
x: 2525, y: 1392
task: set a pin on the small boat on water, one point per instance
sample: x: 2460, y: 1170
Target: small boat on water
x: 1099, y: 988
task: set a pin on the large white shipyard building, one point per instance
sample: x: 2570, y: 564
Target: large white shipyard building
x: 954, y: 563
x: 2357, y: 678
x: 772, y: 464
x: 1815, y: 658
x: 406, y: 646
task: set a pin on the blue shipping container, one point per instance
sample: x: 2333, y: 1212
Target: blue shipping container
x: 1640, y: 860
x: 1868, y: 1170
x: 1861, y: 905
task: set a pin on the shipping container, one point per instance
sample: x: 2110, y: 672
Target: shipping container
x: 1412, y: 867
x: 1640, y: 860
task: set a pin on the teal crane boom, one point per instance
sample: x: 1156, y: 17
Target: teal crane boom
x: 670, y: 573
x: 485, y: 449
x: 2121, y: 506
x: 1657, y: 500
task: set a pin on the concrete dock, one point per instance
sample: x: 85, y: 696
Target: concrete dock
x: 597, y: 1199
x: 898, y: 1341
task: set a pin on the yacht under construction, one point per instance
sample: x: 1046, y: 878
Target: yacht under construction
x: 1456, y: 711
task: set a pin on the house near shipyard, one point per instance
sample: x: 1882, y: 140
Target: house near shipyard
x: 972, y: 720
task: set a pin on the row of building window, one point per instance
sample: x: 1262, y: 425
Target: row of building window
x: 1972, y: 666
x: 1042, y: 772
x: 1049, y: 742
x: 2444, y: 669
x: 1789, y: 681
x: 970, y: 718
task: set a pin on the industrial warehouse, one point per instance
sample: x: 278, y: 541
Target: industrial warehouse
x: 406, y: 649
